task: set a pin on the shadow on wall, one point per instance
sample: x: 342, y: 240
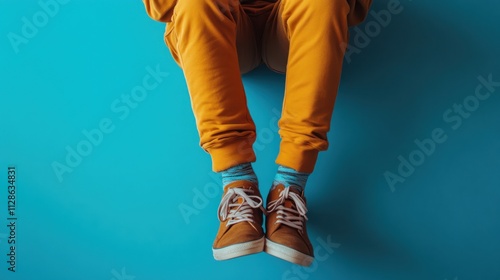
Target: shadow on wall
x: 412, y: 59
x: 409, y: 69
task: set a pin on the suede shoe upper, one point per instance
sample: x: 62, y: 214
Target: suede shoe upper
x: 240, y: 213
x: 286, y: 219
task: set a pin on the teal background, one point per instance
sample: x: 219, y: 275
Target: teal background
x: 117, y: 214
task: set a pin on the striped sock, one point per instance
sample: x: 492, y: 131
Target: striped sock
x: 290, y: 177
x: 243, y: 171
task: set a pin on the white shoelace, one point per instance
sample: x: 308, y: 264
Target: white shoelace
x: 288, y: 216
x: 243, y: 211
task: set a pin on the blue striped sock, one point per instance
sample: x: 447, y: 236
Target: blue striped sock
x: 290, y: 177
x: 243, y: 171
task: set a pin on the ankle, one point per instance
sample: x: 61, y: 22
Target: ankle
x: 289, y: 177
x: 241, y: 172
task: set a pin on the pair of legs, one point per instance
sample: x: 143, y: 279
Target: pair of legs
x: 214, y: 42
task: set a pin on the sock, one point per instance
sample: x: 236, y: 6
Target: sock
x: 243, y: 171
x: 290, y: 177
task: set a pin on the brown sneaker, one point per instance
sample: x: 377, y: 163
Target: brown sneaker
x: 240, y: 213
x: 286, y: 235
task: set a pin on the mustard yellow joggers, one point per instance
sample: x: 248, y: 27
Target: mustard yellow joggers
x: 215, y: 41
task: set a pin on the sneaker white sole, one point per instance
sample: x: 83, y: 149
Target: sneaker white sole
x: 238, y: 250
x: 287, y: 253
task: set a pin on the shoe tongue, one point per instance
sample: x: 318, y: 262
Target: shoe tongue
x: 296, y: 190
x: 240, y: 200
x: 238, y: 184
x: 289, y: 204
x: 275, y: 192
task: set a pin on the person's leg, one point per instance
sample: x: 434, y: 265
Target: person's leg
x: 306, y: 40
x: 213, y: 42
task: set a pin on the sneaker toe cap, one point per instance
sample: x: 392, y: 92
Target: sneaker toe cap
x: 291, y: 238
